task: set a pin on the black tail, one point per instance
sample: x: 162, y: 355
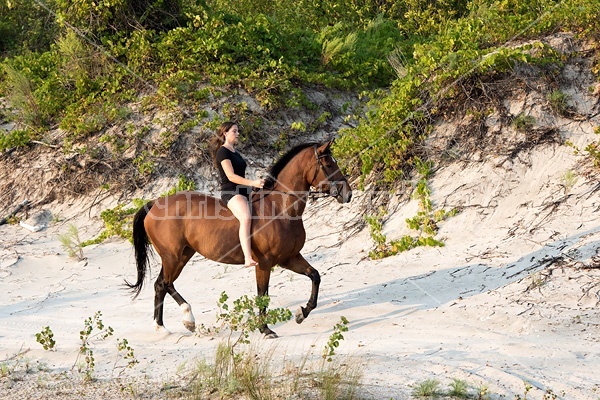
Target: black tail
x: 140, y: 244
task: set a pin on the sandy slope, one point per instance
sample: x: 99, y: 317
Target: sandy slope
x: 506, y: 301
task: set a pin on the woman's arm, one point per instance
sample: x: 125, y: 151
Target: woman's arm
x: 233, y: 177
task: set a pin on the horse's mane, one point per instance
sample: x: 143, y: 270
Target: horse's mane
x: 278, y: 166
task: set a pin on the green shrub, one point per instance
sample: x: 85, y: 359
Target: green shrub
x: 523, y: 123
x: 390, y: 134
x: 427, y: 388
x: 558, y: 102
x: 14, y: 138
x: 25, y: 25
x: 46, y: 338
x: 117, y: 222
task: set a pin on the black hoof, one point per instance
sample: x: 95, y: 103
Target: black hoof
x: 269, y: 334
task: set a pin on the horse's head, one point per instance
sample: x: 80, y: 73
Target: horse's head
x: 327, y: 176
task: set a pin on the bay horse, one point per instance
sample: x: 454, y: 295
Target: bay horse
x: 185, y: 223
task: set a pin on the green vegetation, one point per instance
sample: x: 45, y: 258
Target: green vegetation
x: 245, y: 316
x: 117, y: 222
x: 76, y: 65
x: 558, y: 102
x: 334, y: 338
x: 80, y: 67
x: 71, y: 243
x: 523, y: 122
x: 592, y: 150
x: 241, y: 368
x: 425, y: 221
x: 427, y: 388
x: 94, y: 329
x: 46, y: 338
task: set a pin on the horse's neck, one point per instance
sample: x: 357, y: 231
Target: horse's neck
x: 293, y: 180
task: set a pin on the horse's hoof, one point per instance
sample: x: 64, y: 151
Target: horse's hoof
x: 189, y: 325
x: 299, y: 316
x: 271, y: 335
x: 161, y: 329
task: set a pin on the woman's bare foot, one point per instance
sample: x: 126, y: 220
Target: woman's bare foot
x: 250, y: 263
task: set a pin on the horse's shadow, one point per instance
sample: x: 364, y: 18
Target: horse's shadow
x: 431, y: 290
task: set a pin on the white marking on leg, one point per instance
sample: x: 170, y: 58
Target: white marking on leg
x: 160, y: 328
x: 188, y: 318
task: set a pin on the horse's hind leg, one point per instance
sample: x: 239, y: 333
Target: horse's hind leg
x: 299, y: 265
x: 160, y: 292
x: 171, y: 270
x: 188, y: 318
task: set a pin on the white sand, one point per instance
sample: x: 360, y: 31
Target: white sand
x: 462, y: 311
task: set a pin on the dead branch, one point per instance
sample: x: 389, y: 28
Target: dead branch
x: 14, y: 212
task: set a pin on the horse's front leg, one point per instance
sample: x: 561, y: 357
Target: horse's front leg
x: 299, y: 265
x: 263, y: 275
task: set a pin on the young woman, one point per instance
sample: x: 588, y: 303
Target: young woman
x: 235, y: 188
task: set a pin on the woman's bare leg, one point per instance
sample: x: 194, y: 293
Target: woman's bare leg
x: 241, y: 210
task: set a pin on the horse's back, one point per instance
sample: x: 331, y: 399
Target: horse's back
x: 192, y: 219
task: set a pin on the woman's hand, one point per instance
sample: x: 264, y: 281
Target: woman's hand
x: 258, y: 183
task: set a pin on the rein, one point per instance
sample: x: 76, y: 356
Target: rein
x: 315, y: 194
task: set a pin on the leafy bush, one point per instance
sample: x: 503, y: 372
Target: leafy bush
x: 104, y: 17
x: 117, y: 222
x: 25, y: 25
x: 361, y: 55
x: 523, y: 123
x: 14, y: 138
x: 271, y: 49
x: 384, y: 144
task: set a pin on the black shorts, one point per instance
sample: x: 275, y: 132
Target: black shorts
x: 227, y: 195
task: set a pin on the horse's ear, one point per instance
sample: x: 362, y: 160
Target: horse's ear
x: 326, y: 148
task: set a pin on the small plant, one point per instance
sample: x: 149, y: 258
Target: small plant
x: 483, y: 392
x: 246, y: 316
x: 569, y: 179
x: 184, y: 183
x: 143, y: 163
x: 528, y: 388
x: 235, y: 370
x: 375, y: 227
x: 425, y: 221
x: 523, y: 123
x: 117, y: 222
x: 125, y: 352
x: 86, y: 337
x: 4, y: 370
x: 537, y: 280
x: 558, y: 102
x: 427, y: 388
x: 71, y: 243
x: 298, y: 126
x: 459, y: 389
x: 334, y: 338
x: 46, y: 338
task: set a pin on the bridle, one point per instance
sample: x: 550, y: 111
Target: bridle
x: 320, y: 166
x: 313, y: 193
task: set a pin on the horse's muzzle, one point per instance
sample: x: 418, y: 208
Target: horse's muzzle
x: 341, y: 191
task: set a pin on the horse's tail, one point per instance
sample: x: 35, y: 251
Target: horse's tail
x: 140, y: 244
